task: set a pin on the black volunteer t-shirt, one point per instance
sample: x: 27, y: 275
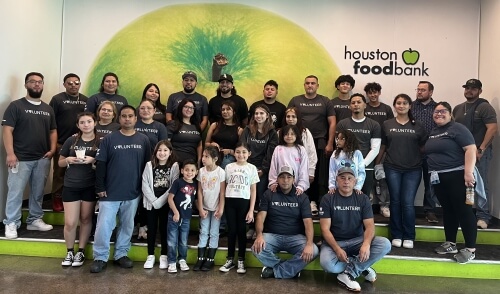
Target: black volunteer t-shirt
x: 475, y: 120
x: 66, y: 108
x: 215, y: 104
x: 342, y: 108
x: 79, y: 175
x: 200, y: 102
x: 95, y: 100
x: 103, y: 130
x: 185, y: 141
x: 364, y: 131
x: 380, y: 113
x: 155, y: 131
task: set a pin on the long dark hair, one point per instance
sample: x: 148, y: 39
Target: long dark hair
x: 79, y: 134
x: 299, y: 124
x: 171, y: 159
x: 268, y: 124
x: 158, y: 103
x: 407, y: 99
x: 298, y: 136
x: 179, y: 118
x: 109, y: 74
x: 351, y: 144
x: 221, y: 122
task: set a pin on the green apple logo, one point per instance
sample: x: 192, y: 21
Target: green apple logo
x: 259, y: 45
x: 410, y: 57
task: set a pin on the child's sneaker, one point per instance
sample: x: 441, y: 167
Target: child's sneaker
x: 68, y: 260
x: 183, y: 265
x: 79, y: 259
x: 172, y: 268
x: 464, y: 256
x: 241, y: 267
x: 227, y: 266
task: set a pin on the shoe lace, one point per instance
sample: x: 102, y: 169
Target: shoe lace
x: 228, y: 263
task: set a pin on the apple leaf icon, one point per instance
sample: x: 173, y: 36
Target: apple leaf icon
x: 410, y: 57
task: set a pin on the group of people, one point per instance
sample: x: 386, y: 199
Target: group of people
x: 316, y: 156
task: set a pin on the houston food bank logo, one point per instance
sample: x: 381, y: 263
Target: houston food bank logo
x: 388, y: 63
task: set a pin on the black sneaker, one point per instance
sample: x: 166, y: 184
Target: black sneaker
x: 227, y: 266
x: 431, y: 217
x: 69, y: 259
x: 267, y: 272
x: 79, y: 259
x: 124, y: 262
x: 97, y: 266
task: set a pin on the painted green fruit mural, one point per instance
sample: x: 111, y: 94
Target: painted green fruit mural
x: 259, y: 45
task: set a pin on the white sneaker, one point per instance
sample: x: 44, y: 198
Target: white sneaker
x: 250, y: 234
x: 11, y: 231
x: 39, y: 225
x: 370, y: 275
x: 172, y: 268
x: 385, y: 212
x: 150, y: 262
x: 314, y: 208
x: 349, y: 282
x: 408, y: 244
x: 482, y: 224
x: 396, y: 242
x: 241, y: 267
x: 163, y: 262
x: 183, y: 265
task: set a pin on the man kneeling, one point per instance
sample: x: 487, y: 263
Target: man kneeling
x: 347, y: 249
x: 284, y: 223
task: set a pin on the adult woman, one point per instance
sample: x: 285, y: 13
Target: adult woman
x: 155, y: 130
x: 451, y: 155
x: 106, y: 114
x: 152, y: 92
x: 261, y: 138
x: 402, y: 141
x: 185, y: 133
x: 225, y: 134
x: 107, y: 92
x: 78, y: 195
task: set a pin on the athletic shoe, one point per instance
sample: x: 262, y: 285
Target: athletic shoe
x: 408, y: 244
x: 314, y: 208
x: 172, y: 268
x: 11, y: 231
x: 97, y: 266
x: 39, y: 225
x: 349, y: 282
x: 57, y: 203
x: 446, y: 247
x: 227, y: 266
x: 396, y: 242
x: 78, y: 259
x: 163, y: 262
x: 68, y: 260
x: 241, y: 267
x: 150, y: 262
x: 370, y: 275
x: 267, y: 272
x: 385, y: 212
x: 124, y: 262
x: 464, y: 256
x: 183, y: 265
x: 250, y: 234
x: 431, y: 217
x: 482, y: 224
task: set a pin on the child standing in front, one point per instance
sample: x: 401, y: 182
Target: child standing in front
x: 180, y: 199
x: 241, y: 187
x: 211, y: 191
x: 347, y: 154
x: 157, y: 178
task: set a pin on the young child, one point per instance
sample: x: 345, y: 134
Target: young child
x: 180, y: 198
x: 211, y: 191
x: 347, y: 154
x: 157, y: 178
x: 241, y: 186
x: 290, y: 152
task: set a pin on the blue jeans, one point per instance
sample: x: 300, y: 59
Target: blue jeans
x: 402, y: 190
x: 380, y: 246
x: 227, y: 159
x: 177, y: 237
x: 209, y: 227
x: 106, y: 222
x: 483, y: 212
x: 293, y: 244
x: 35, y: 172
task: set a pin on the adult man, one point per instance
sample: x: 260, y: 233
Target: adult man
x: 481, y: 120
x: 189, y: 82
x: 29, y: 137
x: 284, y: 223
x: 379, y: 112
x: 318, y: 115
x: 422, y: 109
x: 344, y: 85
x: 120, y: 162
x: 277, y: 108
x: 226, y: 90
x: 368, y: 133
x: 350, y: 246
x: 66, y: 106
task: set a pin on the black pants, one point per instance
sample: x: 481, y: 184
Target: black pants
x: 157, y: 218
x: 451, y: 194
x: 319, y: 186
x: 368, y: 184
x: 236, y: 210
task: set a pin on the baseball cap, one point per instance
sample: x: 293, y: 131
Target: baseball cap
x: 473, y: 83
x: 190, y: 74
x: 286, y: 169
x: 344, y: 170
x: 226, y: 77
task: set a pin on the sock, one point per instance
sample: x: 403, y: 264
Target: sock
x: 80, y: 250
x: 71, y: 250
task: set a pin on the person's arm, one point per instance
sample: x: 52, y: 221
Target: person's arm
x: 204, y: 122
x: 470, y: 162
x: 368, y: 235
x: 199, y: 152
x: 332, y: 123
x: 253, y: 193
x: 259, y: 243
x: 491, y: 130
x: 147, y: 184
x: 8, y: 142
x: 203, y: 213
x: 273, y: 172
x: 332, y: 172
x: 308, y: 252
x: 100, y: 178
x: 208, y: 139
x: 168, y: 116
x: 380, y: 155
x: 53, y: 144
x: 374, y: 150
x: 360, y: 167
x: 271, y: 145
x: 222, y: 200
x: 311, y: 153
x: 303, y: 172
x: 325, y: 224
x: 171, y: 203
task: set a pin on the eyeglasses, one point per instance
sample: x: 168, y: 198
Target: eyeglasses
x: 106, y: 110
x: 441, y: 111
x: 188, y: 107
x: 33, y: 82
x: 76, y: 83
x: 420, y: 90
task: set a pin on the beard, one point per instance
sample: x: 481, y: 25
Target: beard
x: 225, y: 90
x: 189, y: 91
x: 33, y: 94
